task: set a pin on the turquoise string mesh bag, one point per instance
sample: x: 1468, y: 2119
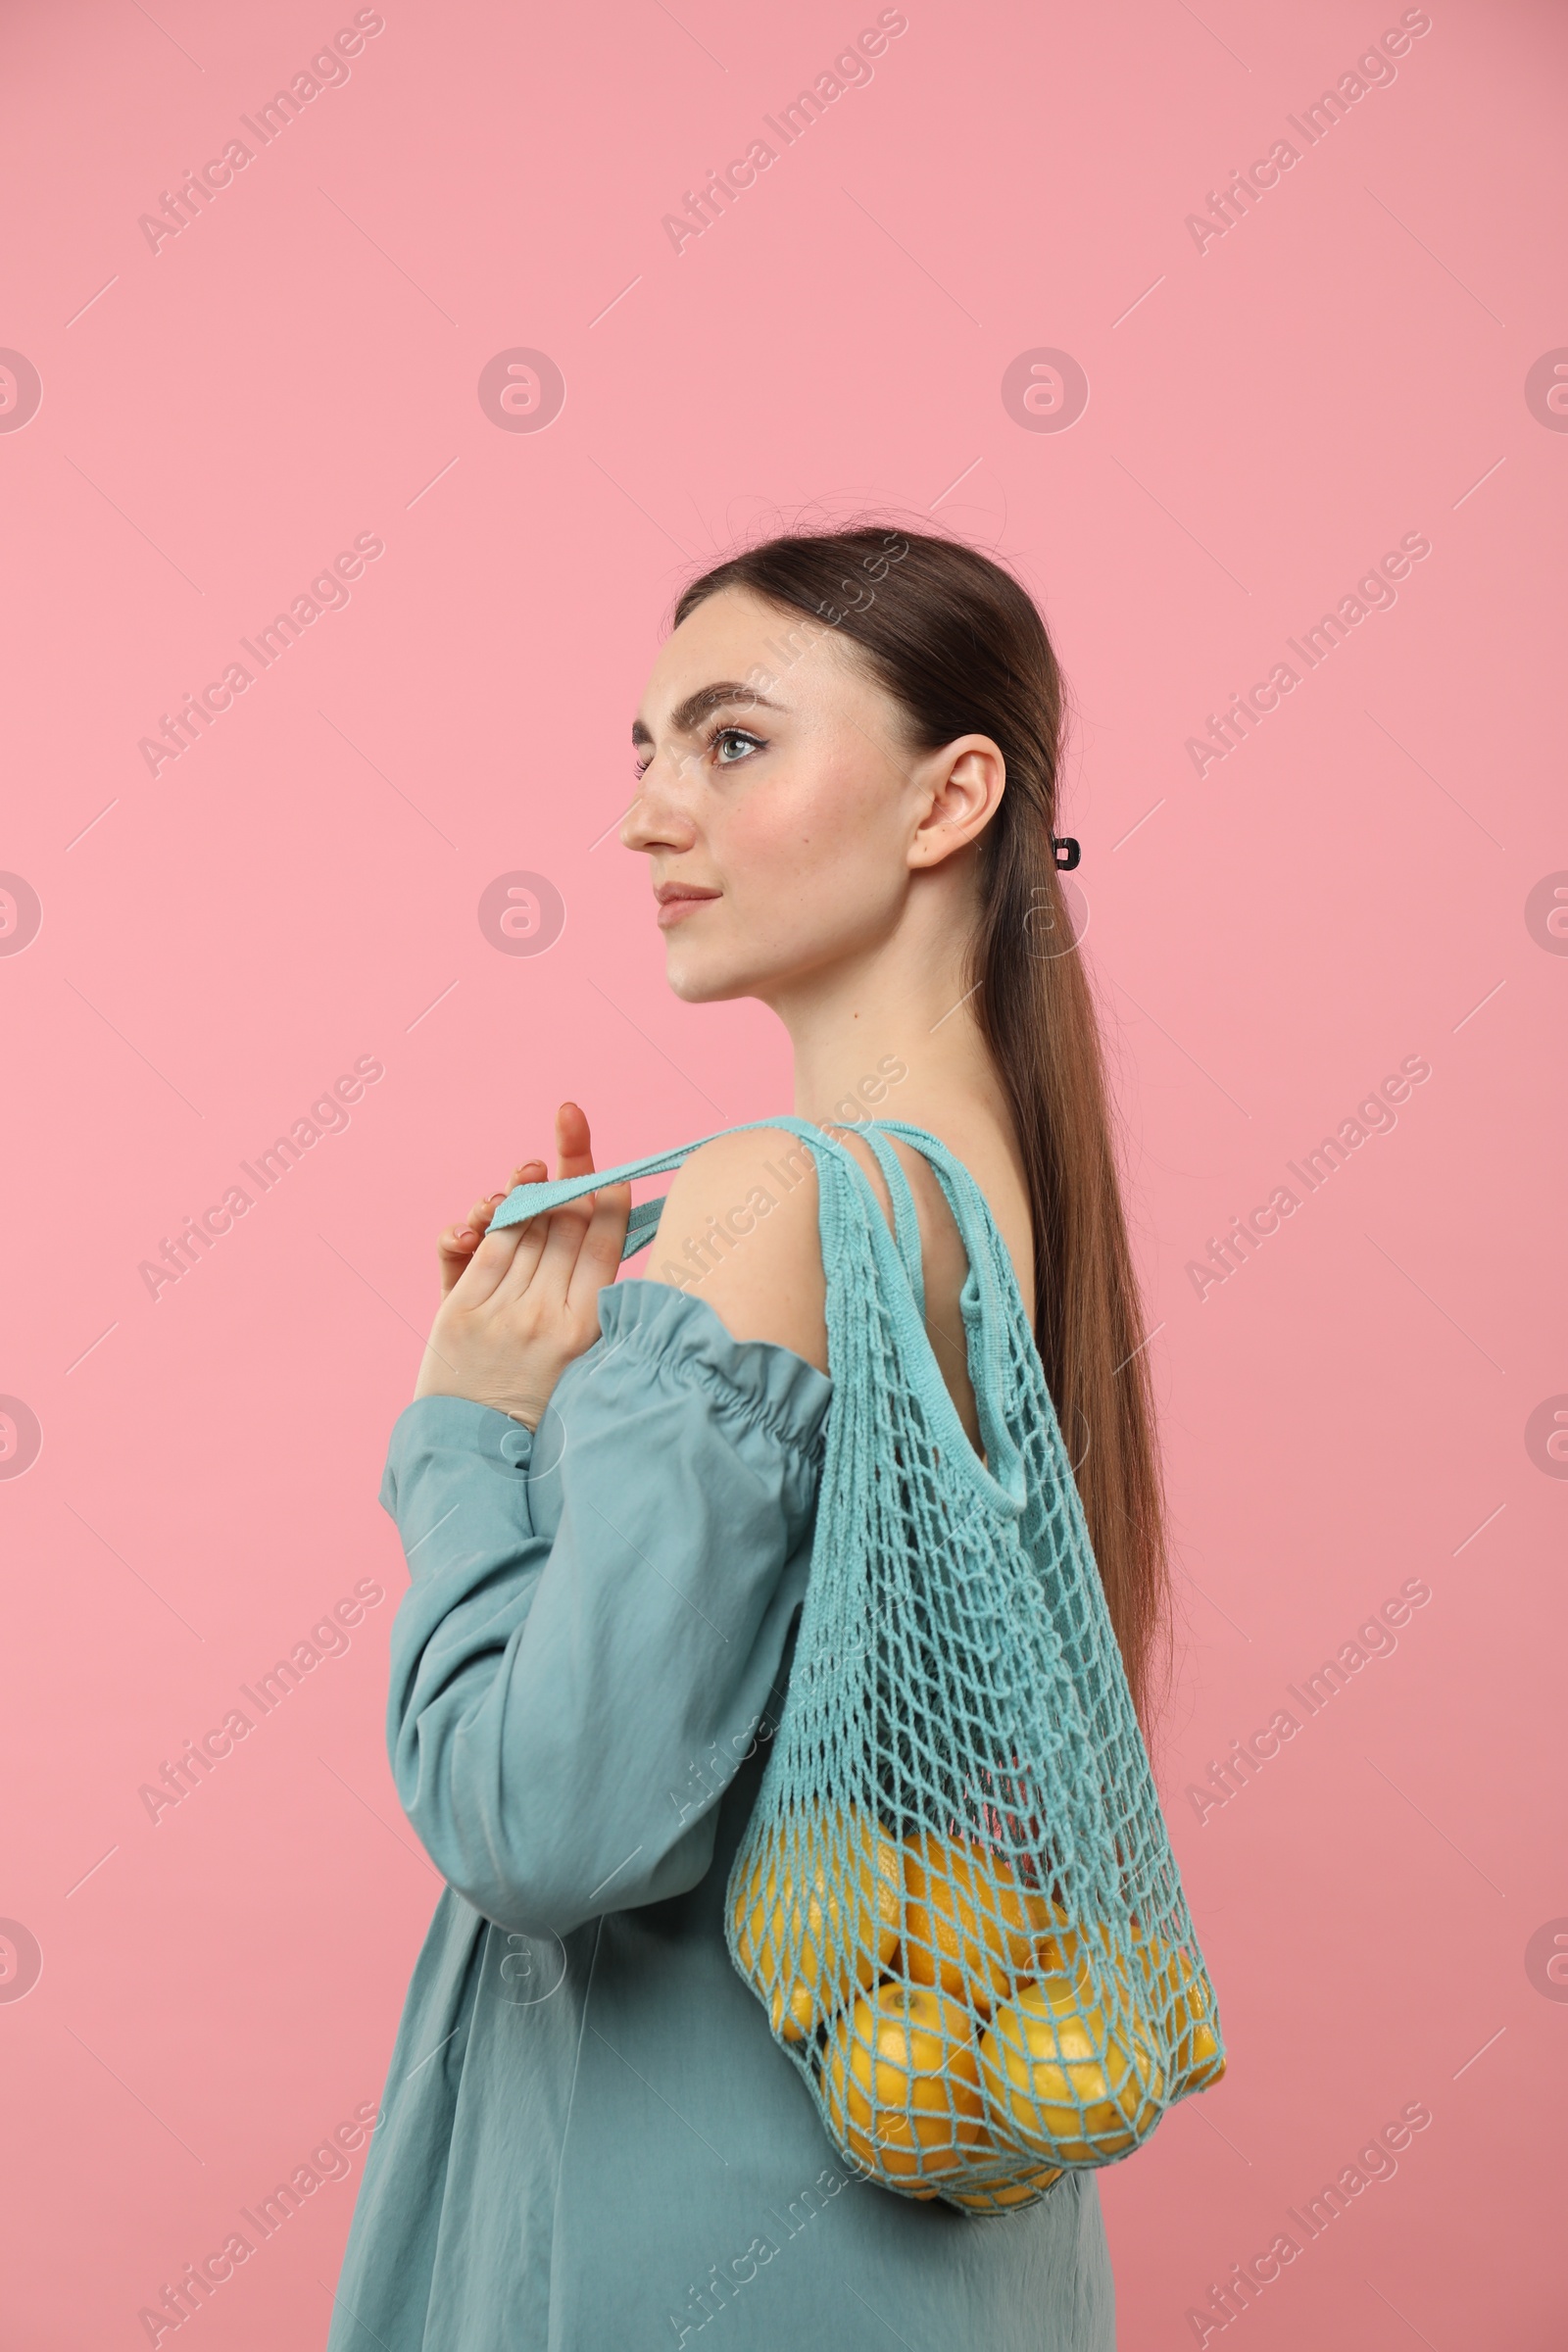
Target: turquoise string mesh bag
x: 956, y: 1899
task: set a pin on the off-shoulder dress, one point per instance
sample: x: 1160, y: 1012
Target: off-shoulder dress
x: 588, y: 2140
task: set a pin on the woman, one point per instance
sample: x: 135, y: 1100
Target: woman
x: 848, y: 755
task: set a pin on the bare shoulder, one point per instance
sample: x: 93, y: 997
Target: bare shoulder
x: 740, y: 1229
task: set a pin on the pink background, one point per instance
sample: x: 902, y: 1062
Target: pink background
x: 299, y: 889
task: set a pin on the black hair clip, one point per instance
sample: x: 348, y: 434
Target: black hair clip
x: 1066, y: 852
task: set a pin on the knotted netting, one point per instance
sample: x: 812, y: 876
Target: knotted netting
x: 955, y: 1897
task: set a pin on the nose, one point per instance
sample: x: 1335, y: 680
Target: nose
x: 656, y: 819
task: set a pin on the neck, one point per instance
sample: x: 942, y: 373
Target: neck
x: 890, y: 1032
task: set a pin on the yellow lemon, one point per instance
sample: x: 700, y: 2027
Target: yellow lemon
x: 1065, y: 1947
x: 1198, y: 2062
x: 903, y: 2085
x: 1059, y: 1948
x: 1182, y: 2005
x: 1172, y: 1980
x: 970, y: 1927
x: 802, y: 1946
x: 1009, y: 2192
x: 1065, y: 2084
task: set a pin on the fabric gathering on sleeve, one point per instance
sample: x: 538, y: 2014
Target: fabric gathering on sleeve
x: 594, y: 1603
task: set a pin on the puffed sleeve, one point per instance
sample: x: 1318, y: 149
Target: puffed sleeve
x: 552, y: 1690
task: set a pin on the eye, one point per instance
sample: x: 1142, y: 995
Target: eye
x: 733, y: 735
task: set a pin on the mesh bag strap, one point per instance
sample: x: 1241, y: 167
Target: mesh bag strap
x: 853, y: 1227
x: 905, y: 1224
x: 526, y: 1201
x: 989, y: 1289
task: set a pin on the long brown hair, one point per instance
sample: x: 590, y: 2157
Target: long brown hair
x: 960, y: 647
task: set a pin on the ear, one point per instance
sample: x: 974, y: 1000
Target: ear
x: 965, y: 780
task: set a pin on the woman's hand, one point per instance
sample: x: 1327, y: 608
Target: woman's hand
x: 519, y: 1305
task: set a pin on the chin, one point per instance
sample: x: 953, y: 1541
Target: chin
x: 710, y: 979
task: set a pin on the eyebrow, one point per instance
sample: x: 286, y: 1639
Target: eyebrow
x: 702, y: 704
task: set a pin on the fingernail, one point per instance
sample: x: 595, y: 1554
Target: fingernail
x: 464, y: 1233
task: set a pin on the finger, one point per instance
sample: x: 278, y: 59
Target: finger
x: 568, y: 1223
x: 600, y: 1252
x: 573, y: 1143
x: 549, y: 1267
x: 455, y: 1247
x: 546, y: 1271
x: 502, y: 1259
x: 531, y: 1231
x: 528, y: 1171
x: 531, y: 1171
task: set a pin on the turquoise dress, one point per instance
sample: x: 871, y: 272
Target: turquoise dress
x: 588, y: 2140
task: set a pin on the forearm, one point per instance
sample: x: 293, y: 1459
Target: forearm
x: 567, y: 1709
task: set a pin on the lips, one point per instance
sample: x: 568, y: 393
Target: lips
x: 680, y: 899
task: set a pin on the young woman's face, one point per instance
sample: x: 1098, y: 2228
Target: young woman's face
x: 776, y: 800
